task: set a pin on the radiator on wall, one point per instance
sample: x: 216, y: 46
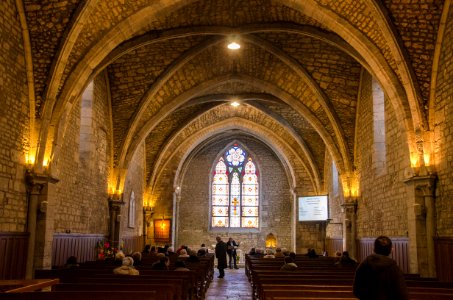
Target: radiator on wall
x: 400, y: 251
x: 82, y: 246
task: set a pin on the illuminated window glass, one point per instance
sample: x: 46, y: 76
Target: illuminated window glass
x: 235, y: 191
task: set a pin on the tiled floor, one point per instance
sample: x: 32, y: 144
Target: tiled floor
x: 234, y: 286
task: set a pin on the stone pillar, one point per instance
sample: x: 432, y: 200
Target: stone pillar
x: 115, y: 204
x: 148, y: 212
x: 295, y: 192
x: 38, y: 243
x: 349, y: 209
x: 175, y: 223
x: 422, y: 226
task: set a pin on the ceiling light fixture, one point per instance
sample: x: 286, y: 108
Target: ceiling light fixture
x: 235, y: 104
x: 233, y: 46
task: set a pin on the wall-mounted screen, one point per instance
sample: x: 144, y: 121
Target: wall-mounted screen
x: 313, y: 208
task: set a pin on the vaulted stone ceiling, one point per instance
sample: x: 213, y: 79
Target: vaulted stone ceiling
x: 297, y: 73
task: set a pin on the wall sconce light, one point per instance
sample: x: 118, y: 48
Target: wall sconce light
x: 29, y: 161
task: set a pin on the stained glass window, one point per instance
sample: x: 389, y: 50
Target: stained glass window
x: 235, y: 191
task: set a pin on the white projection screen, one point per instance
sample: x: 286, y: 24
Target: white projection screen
x: 313, y: 208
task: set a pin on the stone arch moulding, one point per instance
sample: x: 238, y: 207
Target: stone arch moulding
x: 398, y: 92
x: 435, y: 67
x: 140, y: 19
x: 291, y: 63
x: 127, y: 151
x: 268, y: 137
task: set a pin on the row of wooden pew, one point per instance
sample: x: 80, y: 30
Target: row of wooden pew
x: 95, y: 280
x: 320, y: 278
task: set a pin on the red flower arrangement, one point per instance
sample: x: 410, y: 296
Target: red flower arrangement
x: 105, y: 250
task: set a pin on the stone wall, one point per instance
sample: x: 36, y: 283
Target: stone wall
x: 132, y: 221
x: 14, y: 122
x: 80, y: 196
x: 382, y: 200
x: 443, y: 142
x: 275, y: 199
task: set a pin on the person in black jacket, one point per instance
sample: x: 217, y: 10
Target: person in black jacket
x: 221, y: 254
x: 378, y: 276
x: 231, y: 250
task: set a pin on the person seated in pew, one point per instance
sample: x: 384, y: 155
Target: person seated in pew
x: 183, y: 253
x: 137, y: 257
x: 201, y: 252
x: 119, y: 256
x: 269, y: 254
x: 338, y: 255
x: 259, y: 253
x: 178, y: 251
x: 203, y: 246
x: 172, y: 255
x: 346, y: 260
x: 289, y: 264
x: 252, y: 251
x: 162, y: 263
x: 181, y: 266
x: 147, y: 249
x: 71, y: 263
x: 127, y: 268
x: 312, y: 253
x: 278, y: 252
x: 193, y: 256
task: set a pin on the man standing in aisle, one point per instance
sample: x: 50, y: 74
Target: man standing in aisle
x: 231, y: 250
x: 221, y: 253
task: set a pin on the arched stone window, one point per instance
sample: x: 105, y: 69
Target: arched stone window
x: 235, y: 190
x: 379, y: 151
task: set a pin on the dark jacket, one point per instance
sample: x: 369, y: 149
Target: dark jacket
x: 379, y: 278
x: 231, y: 247
x: 221, y: 254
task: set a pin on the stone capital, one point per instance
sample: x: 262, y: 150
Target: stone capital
x: 425, y: 184
x: 36, y: 182
x: 115, y: 204
x: 349, y: 207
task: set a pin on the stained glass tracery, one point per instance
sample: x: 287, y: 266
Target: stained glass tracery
x: 235, y: 193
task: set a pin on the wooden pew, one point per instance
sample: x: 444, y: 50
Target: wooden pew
x: 182, y: 288
x: 319, y: 294
x: 202, y: 273
x: 270, y: 283
x: 26, y: 285
x: 92, y: 295
x: 165, y: 291
x: 186, y: 280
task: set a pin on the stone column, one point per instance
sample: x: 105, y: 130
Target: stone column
x: 295, y: 192
x: 37, y: 189
x: 115, y: 204
x: 148, y: 212
x: 175, y: 223
x: 422, y: 226
x: 349, y: 209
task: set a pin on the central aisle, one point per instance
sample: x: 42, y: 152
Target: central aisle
x: 233, y: 286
